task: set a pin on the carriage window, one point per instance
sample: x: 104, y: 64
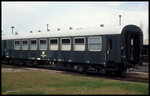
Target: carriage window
x: 53, y: 44
x: 79, y: 44
x: 79, y: 41
x: 95, y: 43
x: 65, y: 44
x: 43, y: 44
x: 25, y: 45
x: 17, y: 45
x: 33, y: 45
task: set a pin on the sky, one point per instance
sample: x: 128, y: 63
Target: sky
x: 34, y: 16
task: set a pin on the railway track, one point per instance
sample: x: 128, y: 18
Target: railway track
x: 130, y: 76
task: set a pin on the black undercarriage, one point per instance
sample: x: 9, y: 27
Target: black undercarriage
x: 110, y: 68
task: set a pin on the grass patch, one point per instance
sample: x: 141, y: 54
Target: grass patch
x: 56, y: 83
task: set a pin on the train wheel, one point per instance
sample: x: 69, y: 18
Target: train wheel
x: 28, y: 62
x: 102, y: 71
x: 10, y: 62
x: 21, y: 63
x: 24, y: 63
x: 80, y: 68
x: 121, y: 73
x: 34, y: 63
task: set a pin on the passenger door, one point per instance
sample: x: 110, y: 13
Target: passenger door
x: 133, y: 49
x: 111, y: 48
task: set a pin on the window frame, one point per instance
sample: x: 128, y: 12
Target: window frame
x: 83, y: 43
x: 40, y: 44
x: 36, y: 44
x: 50, y: 44
x: 27, y: 45
x: 15, y: 45
x: 62, y: 44
x: 95, y: 43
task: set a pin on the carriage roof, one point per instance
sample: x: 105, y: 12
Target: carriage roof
x: 64, y: 33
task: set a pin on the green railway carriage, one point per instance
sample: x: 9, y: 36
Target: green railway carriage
x: 103, y: 49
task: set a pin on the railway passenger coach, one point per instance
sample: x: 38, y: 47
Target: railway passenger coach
x: 102, y: 49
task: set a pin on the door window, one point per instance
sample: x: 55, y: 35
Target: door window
x: 109, y: 47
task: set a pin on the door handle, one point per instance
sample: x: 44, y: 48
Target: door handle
x: 108, y: 51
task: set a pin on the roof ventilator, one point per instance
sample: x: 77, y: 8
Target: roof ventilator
x: 58, y: 29
x: 70, y: 28
x: 102, y: 25
x: 39, y: 30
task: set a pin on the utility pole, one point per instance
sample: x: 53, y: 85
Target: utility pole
x: 12, y: 29
x: 119, y: 20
